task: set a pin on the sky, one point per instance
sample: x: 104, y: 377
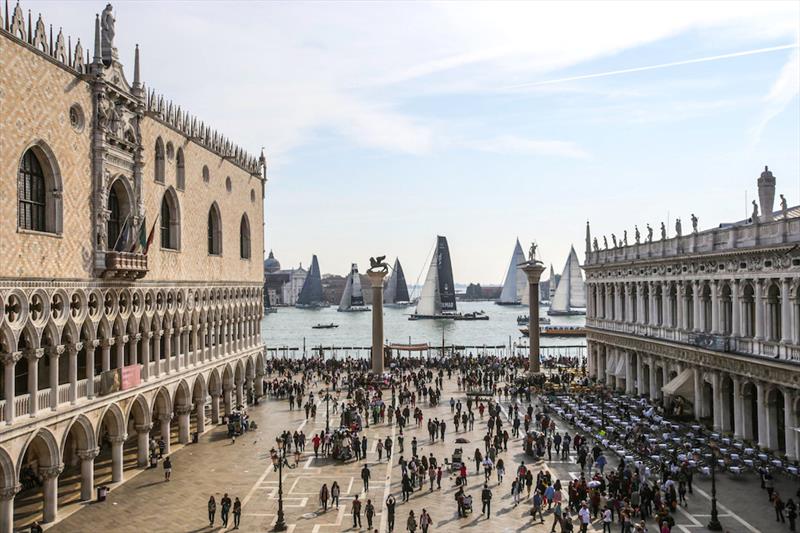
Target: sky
x: 386, y: 124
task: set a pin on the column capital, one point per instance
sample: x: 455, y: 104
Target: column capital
x: 50, y: 472
x: 138, y: 337
x: 144, y: 428
x: 183, y: 409
x: 11, y: 358
x: 35, y: 354
x: 124, y: 338
x: 75, y: 348
x: 148, y: 335
x: 168, y: 331
x: 89, y: 454
x: 118, y: 439
x: 9, y: 492
x: 159, y: 333
x: 106, y: 343
x: 56, y: 351
x: 95, y: 343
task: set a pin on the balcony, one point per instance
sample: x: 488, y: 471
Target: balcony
x: 125, y: 265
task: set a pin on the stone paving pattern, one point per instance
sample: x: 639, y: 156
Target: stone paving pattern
x: 243, y: 469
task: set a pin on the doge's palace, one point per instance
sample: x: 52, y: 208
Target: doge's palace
x: 131, y: 240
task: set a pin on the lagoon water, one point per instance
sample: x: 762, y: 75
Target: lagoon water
x: 293, y: 327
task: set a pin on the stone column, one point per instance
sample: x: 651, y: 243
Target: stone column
x: 698, y: 308
x: 628, y: 303
x: 610, y: 376
x: 73, y: 371
x: 105, y: 354
x: 239, y: 392
x: 135, y: 348
x: 9, y: 362
x: 653, y: 387
x: 759, y: 305
x: 376, y: 283
x: 738, y: 427
x: 697, y: 374
x: 215, y: 396
x: 157, y: 353
x: 121, y: 341
x: 717, y: 395
x: 183, y: 412
x: 165, y: 431
x: 87, y: 472
x: 617, y: 302
x: 49, y: 477
x: 7, y: 508
x: 226, y: 398
x: 33, y: 380
x: 146, y: 336
x: 715, y: 314
x: 761, y: 405
x: 195, y: 336
x: 117, y: 442
x: 200, y: 412
x: 91, y: 347
x: 639, y: 375
x: 680, y: 302
x: 736, y: 310
x: 789, y: 423
x: 533, y: 270
x: 55, y: 353
x: 143, y: 443
x: 786, y: 315
x: 202, y: 347
x: 629, y: 389
x: 639, y: 302
x: 653, y: 304
x: 168, y: 351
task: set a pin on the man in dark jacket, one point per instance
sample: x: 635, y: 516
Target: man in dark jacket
x: 486, y: 500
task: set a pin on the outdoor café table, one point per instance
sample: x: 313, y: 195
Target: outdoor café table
x: 682, y: 457
x: 723, y: 451
x: 777, y: 463
x: 676, y: 440
x: 748, y: 463
x: 748, y: 451
x: 763, y: 457
x: 726, y: 441
x: 662, y: 446
x: 735, y: 470
x: 734, y: 456
x: 715, y: 436
x: 696, y: 427
x: 628, y: 458
x: 792, y: 470
x: 692, y: 463
x: 738, y: 445
x: 656, y: 458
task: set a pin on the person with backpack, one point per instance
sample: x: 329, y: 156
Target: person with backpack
x: 486, y: 501
x: 425, y: 521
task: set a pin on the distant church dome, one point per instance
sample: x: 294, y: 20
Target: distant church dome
x: 271, y: 264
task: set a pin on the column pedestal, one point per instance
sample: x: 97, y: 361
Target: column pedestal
x: 87, y: 473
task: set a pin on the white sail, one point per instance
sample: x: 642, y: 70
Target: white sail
x: 515, y: 285
x: 577, y: 288
x: 553, y: 283
x: 356, y: 293
x: 344, y: 303
x: 429, y: 302
x: 570, y: 295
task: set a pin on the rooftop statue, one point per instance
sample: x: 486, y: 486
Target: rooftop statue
x: 663, y: 231
x: 605, y: 242
x: 596, y: 246
x: 694, y: 223
x: 107, y: 31
x: 532, y: 252
x: 649, y: 233
x: 755, y: 212
x: 678, y: 227
x: 636, y: 234
x: 625, y: 237
x: 784, y: 208
x: 614, y: 240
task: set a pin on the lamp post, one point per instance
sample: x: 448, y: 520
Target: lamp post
x: 714, y: 524
x: 280, y: 524
x: 327, y: 411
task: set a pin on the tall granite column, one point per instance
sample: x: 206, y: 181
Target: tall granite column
x: 376, y: 281
x: 533, y: 269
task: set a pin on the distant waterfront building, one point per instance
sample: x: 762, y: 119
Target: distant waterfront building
x: 282, y: 286
x: 474, y: 292
x: 707, y: 319
x: 105, y: 346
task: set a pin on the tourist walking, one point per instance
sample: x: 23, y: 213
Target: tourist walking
x: 411, y: 523
x: 425, y: 521
x: 390, y: 504
x: 167, y: 468
x: 237, y: 513
x: 365, y: 475
x: 323, y: 497
x: 486, y: 501
x: 335, y: 491
x: 356, y: 512
x: 212, y: 510
x: 369, y: 511
x: 225, y: 503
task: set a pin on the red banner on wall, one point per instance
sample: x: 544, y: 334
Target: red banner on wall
x: 131, y: 376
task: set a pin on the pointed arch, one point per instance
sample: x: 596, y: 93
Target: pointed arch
x: 160, y: 160
x: 39, y: 190
x: 214, y: 230
x: 170, y: 220
x: 244, y: 237
x: 118, y: 205
x: 180, y: 170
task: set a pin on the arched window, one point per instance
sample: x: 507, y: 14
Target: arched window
x: 180, y: 171
x: 39, y: 191
x: 160, y: 160
x: 206, y: 174
x: 31, y: 193
x: 244, y: 238
x: 170, y: 221
x: 214, y: 231
x: 118, y: 225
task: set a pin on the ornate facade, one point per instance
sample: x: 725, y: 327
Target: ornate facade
x: 711, y: 317
x: 131, y: 285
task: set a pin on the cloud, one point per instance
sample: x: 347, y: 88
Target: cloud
x: 511, y: 144
x: 784, y: 90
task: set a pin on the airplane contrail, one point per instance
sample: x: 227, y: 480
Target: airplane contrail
x: 658, y: 66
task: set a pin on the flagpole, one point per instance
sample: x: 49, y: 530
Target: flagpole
x: 120, y: 232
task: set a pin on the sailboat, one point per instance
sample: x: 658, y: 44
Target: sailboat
x: 570, y: 295
x: 395, y: 294
x: 352, y: 297
x: 310, y: 296
x: 438, y: 296
x: 515, y: 286
x: 553, y: 284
